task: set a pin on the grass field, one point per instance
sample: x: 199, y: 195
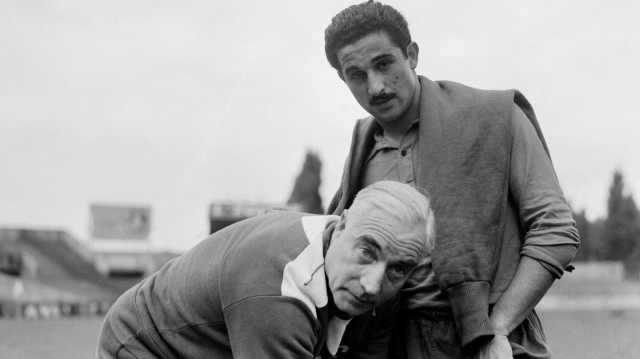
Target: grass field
x: 68, y: 338
x: 593, y: 335
x: 571, y: 335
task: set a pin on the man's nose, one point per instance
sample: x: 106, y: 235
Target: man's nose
x: 375, y: 84
x: 372, y: 278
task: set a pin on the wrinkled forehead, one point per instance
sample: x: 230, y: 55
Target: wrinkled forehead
x: 390, y: 234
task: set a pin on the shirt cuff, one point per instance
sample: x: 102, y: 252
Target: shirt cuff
x: 470, y: 305
x: 554, y: 258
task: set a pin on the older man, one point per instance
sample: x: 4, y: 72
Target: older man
x: 505, y: 231
x: 281, y: 285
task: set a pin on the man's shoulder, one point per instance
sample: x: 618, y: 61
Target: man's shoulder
x: 469, y: 95
x: 259, y: 254
x: 277, y: 229
x: 279, y: 224
x: 366, y: 127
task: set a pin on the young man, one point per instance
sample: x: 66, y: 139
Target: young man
x: 281, y: 285
x: 505, y: 231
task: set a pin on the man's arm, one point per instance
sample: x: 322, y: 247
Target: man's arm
x: 271, y: 327
x: 530, y: 283
x: 550, y: 240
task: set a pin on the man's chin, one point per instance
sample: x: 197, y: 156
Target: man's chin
x: 353, y: 310
x: 385, y: 116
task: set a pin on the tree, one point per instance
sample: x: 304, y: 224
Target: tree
x: 587, y: 249
x: 622, y: 226
x: 596, y: 231
x: 306, y: 189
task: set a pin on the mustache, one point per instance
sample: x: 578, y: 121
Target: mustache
x: 382, y: 98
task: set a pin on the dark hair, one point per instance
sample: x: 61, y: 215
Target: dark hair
x: 358, y: 21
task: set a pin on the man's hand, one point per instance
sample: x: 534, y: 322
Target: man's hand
x: 497, y: 348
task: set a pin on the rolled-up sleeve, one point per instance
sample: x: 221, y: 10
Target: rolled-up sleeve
x: 551, y: 236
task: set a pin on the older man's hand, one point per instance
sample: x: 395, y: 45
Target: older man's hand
x: 497, y: 348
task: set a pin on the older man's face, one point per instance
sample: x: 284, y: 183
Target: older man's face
x: 369, y: 260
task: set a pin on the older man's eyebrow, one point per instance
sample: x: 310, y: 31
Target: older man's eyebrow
x: 409, y: 262
x: 371, y: 242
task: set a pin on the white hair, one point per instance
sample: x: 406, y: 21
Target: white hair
x: 406, y: 204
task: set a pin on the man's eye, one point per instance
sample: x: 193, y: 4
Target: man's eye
x: 357, y: 75
x: 398, y: 271
x: 384, y: 65
x: 367, y: 254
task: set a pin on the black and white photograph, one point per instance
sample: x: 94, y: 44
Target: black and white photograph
x: 319, y: 179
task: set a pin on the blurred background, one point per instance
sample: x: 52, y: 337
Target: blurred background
x: 130, y: 130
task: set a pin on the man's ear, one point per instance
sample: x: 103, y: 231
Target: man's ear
x: 412, y: 54
x: 343, y: 220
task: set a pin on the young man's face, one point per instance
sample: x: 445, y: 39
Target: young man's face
x: 381, y: 78
x: 369, y: 260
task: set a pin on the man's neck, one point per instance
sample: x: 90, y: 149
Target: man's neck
x: 394, y: 130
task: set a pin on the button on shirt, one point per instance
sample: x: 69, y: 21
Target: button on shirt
x: 392, y: 161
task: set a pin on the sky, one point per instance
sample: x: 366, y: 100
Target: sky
x: 176, y: 105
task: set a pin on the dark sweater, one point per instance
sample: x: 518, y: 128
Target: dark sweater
x: 464, y: 156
